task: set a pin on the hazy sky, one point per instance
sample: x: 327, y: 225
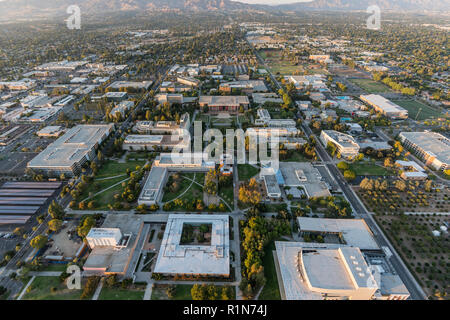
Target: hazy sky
x: 272, y: 1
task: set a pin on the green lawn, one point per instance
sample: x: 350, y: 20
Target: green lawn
x: 184, y: 184
x: 194, y: 193
x: 102, y: 200
x: 366, y: 169
x: 413, y: 108
x: 121, y: 294
x: 296, y: 157
x: 114, y: 168
x: 55, y: 267
x: 277, y: 65
x: 110, y: 169
x: 271, y: 290
x: 182, y: 292
x: 41, y: 290
x: 228, y: 195
x: 371, y: 86
x: 246, y: 171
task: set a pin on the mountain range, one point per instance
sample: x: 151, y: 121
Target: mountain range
x: 11, y: 9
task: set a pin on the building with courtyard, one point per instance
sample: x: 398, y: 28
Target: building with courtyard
x: 187, y: 249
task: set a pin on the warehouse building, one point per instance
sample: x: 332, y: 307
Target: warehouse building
x: 384, y: 106
x: 69, y: 152
x: 433, y: 148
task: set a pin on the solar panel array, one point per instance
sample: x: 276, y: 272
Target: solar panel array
x: 19, y: 201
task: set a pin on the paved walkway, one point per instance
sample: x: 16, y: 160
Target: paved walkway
x: 98, y: 290
x: 26, y: 287
x: 45, y: 273
x: 148, y: 291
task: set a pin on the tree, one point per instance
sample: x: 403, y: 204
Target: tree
x: 55, y: 210
x: 55, y: 224
x: 38, y: 242
x: 198, y: 292
x: 343, y: 165
x: 349, y: 175
x: 400, y: 185
x: 85, y: 226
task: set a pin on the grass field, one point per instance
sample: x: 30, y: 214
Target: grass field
x: 182, y: 292
x: 113, y: 168
x: 117, y: 172
x: 366, y: 169
x: 413, y: 108
x: 228, y: 195
x: 271, y: 290
x: 277, y: 65
x: 55, y: 267
x: 41, y: 289
x: 121, y: 294
x: 296, y: 157
x: 246, y: 171
x: 184, y: 184
x: 370, y: 85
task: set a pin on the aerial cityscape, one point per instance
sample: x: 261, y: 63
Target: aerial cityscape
x: 224, y: 150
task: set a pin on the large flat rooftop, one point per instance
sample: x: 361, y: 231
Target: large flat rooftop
x: 111, y: 259
x: 74, y: 145
x: 309, y: 270
x: 381, y: 102
x: 432, y: 143
x: 355, y: 232
x: 303, y: 174
x: 224, y: 101
x: 212, y: 259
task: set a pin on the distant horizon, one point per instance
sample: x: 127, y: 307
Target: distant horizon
x: 271, y: 2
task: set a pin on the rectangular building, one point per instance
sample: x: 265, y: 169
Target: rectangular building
x: 345, y: 144
x: 69, y: 152
x: 384, y: 106
x: 103, y: 237
x: 230, y: 104
x: 433, y: 148
x: 313, y: 271
x: 211, y: 259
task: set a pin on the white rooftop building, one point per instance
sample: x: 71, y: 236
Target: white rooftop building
x: 69, y: 152
x: 355, y: 232
x: 107, y: 237
x: 312, y: 271
x: 152, y: 191
x: 431, y: 147
x: 346, y: 144
x: 386, y: 107
x: 212, y: 259
x: 304, y: 175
